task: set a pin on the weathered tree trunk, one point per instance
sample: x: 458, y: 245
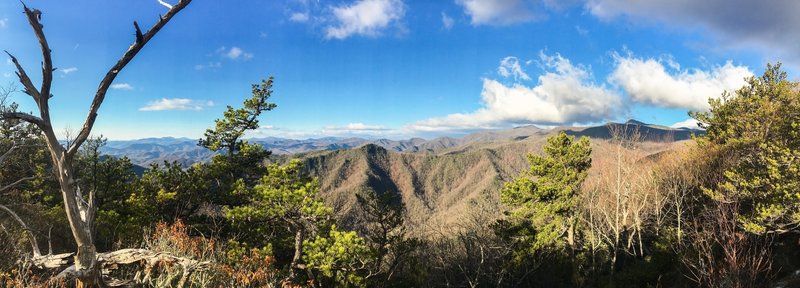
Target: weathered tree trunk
x: 80, y: 212
x: 298, y: 252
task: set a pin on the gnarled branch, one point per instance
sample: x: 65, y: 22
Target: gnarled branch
x: 39, y: 122
x: 32, y: 238
x: 15, y: 183
x: 34, y: 16
x: 112, y: 73
x: 30, y: 89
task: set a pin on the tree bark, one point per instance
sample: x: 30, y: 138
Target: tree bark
x: 80, y: 213
x: 298, y: 252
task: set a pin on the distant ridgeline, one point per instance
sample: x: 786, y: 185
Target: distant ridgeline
x: 143, y: 152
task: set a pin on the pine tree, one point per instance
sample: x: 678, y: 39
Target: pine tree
x: 543, y: 200
x: 755, y: 133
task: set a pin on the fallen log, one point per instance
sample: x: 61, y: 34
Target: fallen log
x: 111, y: 261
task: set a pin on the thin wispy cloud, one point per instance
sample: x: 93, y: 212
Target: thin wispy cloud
x: 581, y: 31
x: 447, y: 21
x: 300, y: 17
x: 179, y: 104
x: 122, y: 86
x: 3, y: 23
x: 68, y: 71
x: 365, y: 18
x: 209, y: 65
x: 662, y: 83
x: 352, y: 127
x: 356, y: 129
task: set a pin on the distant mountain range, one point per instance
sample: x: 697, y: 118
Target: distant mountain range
x: 439, y: 180
x: 144, y: 152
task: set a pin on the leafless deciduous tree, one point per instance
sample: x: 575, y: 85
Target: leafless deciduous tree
x: 719, y: 253
x: 80, y: 210
x: 621, y: 200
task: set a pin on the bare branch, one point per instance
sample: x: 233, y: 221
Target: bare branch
x: 114, y: 71
x: 15, y: 183
x: 139, y: 35
x: 24, y: 117
x: 24, y: 79
x: 34, y: 18
x: 6, y: 154
x: 32, y: 238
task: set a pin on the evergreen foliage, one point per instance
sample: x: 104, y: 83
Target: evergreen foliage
x: 757, y: 132
x: 543, y: 200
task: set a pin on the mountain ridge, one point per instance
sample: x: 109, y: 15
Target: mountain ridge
x: 147, y: 151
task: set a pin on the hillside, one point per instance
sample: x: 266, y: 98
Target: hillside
x: 438, y: 188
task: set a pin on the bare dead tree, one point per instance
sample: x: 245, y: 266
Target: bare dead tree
x: 719, y: 253
x: 80, y: 210
x: 620, y: 202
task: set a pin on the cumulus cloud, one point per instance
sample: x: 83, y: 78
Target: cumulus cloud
x: 365, y: 17
x: 770, y: 26
x: 565, y: 94
x: 176, y: 104
x: 510, y: 67
x: 447, y: 22
x: 234, y: 53
x: 648, y: 81
x: 690, y: 123
x: 500, y: 12
x: 122, y: 86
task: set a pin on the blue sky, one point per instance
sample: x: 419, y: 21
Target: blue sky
x: 400, y: 68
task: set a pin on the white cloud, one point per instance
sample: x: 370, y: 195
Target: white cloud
x: 447, y: 22
x: 67, y: 71
x: 210, y: 65
x: 565, y: 94
x: 356, y: 127
x: 499, y: 12
x: 649, y: 82
x: 365, y: 18
x: 299, y: 17
x: 509, y: 67
x: 770, y: 26
x: 4, y: 23
x: 122, y: 86
x: 7, y: 75
x: 176, y: 104
x: 688, y: 123
x: 234, y: 53
x: 581, y: 31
